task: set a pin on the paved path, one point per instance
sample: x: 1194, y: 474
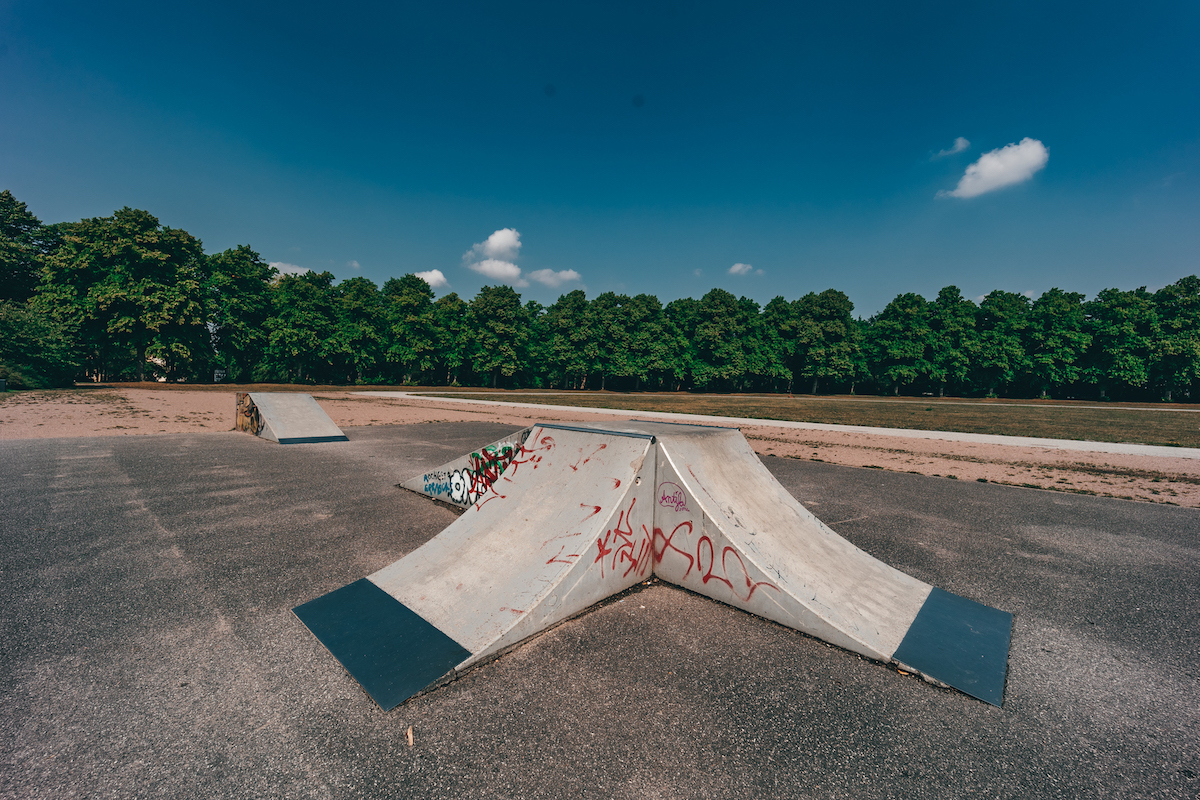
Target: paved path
x: 904, y: 433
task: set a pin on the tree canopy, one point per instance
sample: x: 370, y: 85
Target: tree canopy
x: 124, y: 297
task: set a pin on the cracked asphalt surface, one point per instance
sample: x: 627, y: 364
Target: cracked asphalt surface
x: 150, y: 649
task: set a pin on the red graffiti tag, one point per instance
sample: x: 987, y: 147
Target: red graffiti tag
x: 575, y: 467
x: 594, y: 510
x: 708, y: 573
x: 554, y: 559
x: 623, y: 548
x: 668, y: 544
x: 532, y: 454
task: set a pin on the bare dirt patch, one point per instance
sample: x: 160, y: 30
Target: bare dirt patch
x: 141, y: 410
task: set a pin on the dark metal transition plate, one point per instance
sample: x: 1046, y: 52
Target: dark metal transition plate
x: 960, y: 642
x: 388, y: 648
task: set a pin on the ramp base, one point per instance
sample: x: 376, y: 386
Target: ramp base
x: 961, y: 643
x: 387, y: 647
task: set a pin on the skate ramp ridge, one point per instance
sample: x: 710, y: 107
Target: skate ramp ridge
x: 286, y: 418
x: 580, y: 513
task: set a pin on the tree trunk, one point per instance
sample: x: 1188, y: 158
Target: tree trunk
x: 602, y: 377
x: 814, y: 389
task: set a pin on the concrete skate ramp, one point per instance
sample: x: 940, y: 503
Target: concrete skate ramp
x: 464, y: 480
x: 580, y: 513
x: 285, y: 417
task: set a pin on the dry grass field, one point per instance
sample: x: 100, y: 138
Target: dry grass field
x: 1169, y: 425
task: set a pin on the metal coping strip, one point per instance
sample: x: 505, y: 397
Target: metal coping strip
x: 630, y: 434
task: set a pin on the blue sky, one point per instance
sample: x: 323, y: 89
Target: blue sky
x: 633, y: 147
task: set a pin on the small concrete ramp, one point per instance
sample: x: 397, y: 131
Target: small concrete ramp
x: 580, y: 513
x: 464, y: 480
x: 285, y: 417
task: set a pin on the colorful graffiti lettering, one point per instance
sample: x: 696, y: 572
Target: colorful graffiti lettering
x: 671, y: 495
x: 437, y: 483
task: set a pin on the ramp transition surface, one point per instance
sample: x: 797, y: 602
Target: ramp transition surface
x: 285, y: 417
x: 572, y: 515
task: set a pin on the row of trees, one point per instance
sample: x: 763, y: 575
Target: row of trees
x: 123, y: 297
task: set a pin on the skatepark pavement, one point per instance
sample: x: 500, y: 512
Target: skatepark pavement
x: 150, y: 648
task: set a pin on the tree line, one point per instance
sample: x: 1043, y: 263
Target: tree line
x: 125, y: 298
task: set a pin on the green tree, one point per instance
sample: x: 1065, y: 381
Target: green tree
x: 302, y: 345
x: 500, y: 333
x: 683, y: 319
x: 412, y: 341
x: 136, y: 290
x: 1176, y: 351
x: 36, y: 350
x: 1124, y: 328
x: 779, y: 331
x: 1055, y: 340
x: 900, y: 342
x: 720, y: 350
x: 572, y: 350
x: 361, y: 329
x: 608, y: 320
x: 453, y: 335
x: 239, y: 298
x: 826, y: 338
x: 654, y: 349
x: 24, y: 244
x: 1000, y: 325
x: 955, y: 343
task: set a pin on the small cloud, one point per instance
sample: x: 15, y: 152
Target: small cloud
x: 434, y: 278
x: 551, y: 278
x: 697, y: 272
x: 959, y: 145
x: 499, y: 270
x: 1167, y: 181
x: 504, y: 245
x: 288, y: 269
x: 494, y: 257
x: 353, y: 265
x: 1008, y: 165
x: 741, y: 269
x: 1028, y: 293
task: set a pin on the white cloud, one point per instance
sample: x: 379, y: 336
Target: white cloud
x: 697, y: 272
x: 496, y: 256
x: 353, y: 265
x: 498, y: 270
x: 503, y: 245
x: 434, y: 278
x: 1014, y: 163
x: 740, y: 269
x: 288, y: 269
x: 959, y: 145
x: 552, y: 278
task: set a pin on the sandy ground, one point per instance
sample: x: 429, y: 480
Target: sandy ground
x: 134, y: 411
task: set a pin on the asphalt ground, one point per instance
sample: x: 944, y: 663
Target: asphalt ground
x: 149, y: 649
